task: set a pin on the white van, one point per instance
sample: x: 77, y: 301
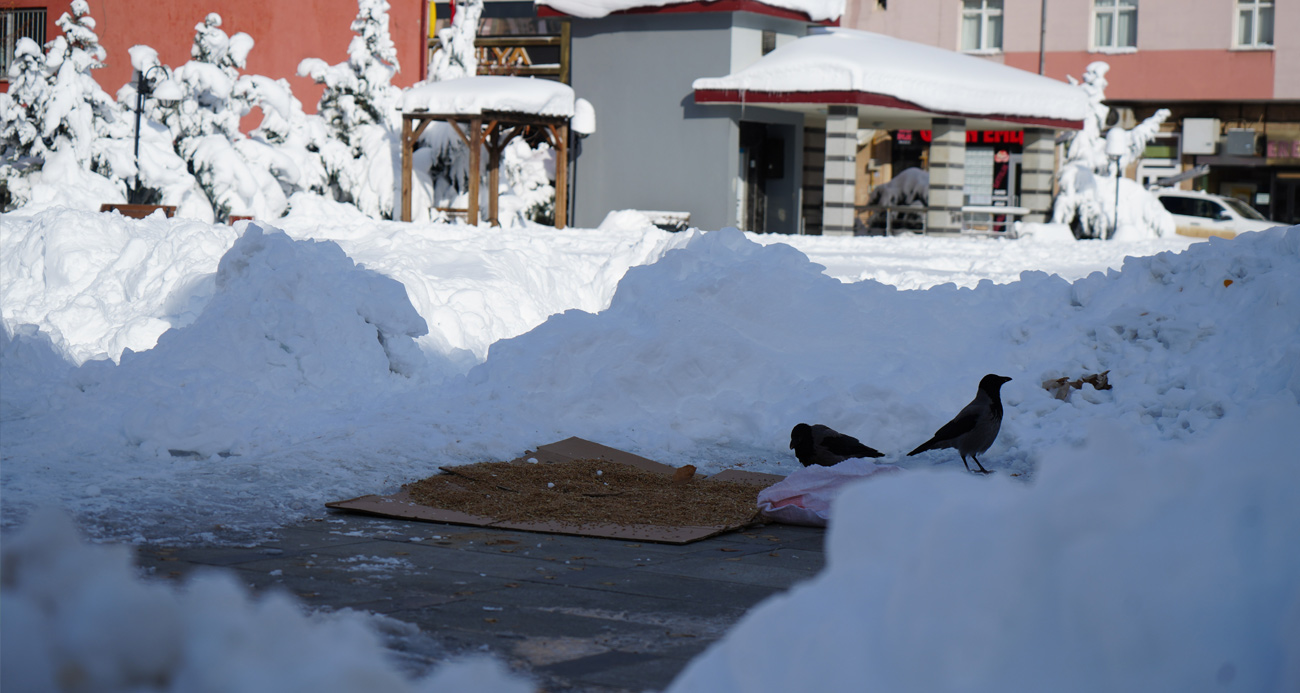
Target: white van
x: 1202, y: 214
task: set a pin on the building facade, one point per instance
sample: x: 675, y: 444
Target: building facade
x: 1229, y: 70
x: 656, y: 149
x: 284, y: 33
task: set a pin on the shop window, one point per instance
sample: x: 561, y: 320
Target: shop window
x: 1114, y: 24
x: 981, y: 26
x: 17, y: 24
x: 1254, y: 23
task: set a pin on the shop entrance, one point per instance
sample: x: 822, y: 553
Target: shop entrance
x: 762, y: 161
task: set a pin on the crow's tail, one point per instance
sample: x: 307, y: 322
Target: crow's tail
x: 927, y: 445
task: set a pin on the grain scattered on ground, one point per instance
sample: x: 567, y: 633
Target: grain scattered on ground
x: 586, y: 492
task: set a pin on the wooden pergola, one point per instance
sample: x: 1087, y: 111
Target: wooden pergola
x: 492, y: 130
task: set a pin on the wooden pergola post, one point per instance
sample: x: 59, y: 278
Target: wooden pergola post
x: 494, y: 171
x: 560, y: 140
x: 409, y: 136
x: 408, y: 148
x: 475, y: 157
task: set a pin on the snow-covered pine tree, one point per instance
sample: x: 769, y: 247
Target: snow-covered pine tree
x: 78, y: 111
x: 22, y: 108
x: 360, y: 91
x: 21, y: 146
x: 237, y: 177
x: 359, y: 105
x: 456, y: 56
x: 54, y: 105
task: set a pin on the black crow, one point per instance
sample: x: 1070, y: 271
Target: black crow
x: 975, y: 427
x: 823, y: 445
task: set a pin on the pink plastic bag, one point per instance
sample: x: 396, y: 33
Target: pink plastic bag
x: 805, y: 497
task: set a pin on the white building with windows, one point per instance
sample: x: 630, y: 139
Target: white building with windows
x: 1228, y: 69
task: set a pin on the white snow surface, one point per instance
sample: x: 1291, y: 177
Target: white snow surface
x: 77, y: 617
x: 473, y: 95
x: 1135, y: 535
x: 1127, y: 565
x: 817, y: 10
x: 935, y: 79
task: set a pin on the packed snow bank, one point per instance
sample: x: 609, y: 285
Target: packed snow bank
x: 1126, y: 566
x: 300, y: 382
x: 478, y: 285
x: 101, y: 283
x: 924, y: 262
x: 710, y: 355
x: 76, y: 617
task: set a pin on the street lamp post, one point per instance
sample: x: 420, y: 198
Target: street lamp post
x: 144, y: 87
x: 1116, y: 148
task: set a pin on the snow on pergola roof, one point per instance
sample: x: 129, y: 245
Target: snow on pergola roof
x: 814, y: 10
x: 892, y: 80
x: 497, y: 93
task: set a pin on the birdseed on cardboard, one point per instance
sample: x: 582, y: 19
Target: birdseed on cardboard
x: 586, y: 492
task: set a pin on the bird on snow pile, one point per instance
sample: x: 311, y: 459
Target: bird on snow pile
x: 823, y: 445
x: 975, y: 427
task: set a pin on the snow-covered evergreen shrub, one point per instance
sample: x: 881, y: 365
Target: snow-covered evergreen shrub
x: 239, y: 176
x: 21, y: 144
x: 456, y: 56
x: 54, y: 105
x: 359, y: 105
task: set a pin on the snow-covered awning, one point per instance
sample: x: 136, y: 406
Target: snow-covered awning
x: 893, y: 82
x: 494, y: 93
x: 812, y: 10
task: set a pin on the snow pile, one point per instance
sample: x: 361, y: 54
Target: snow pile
x: 846, y: 60
x: 725, y: 345
x: 1134, y: 536
x: 77, y: 618
x: 923, y: 262
x: 101, y: 283
x: 1123, y: 567
x: 475, y: 286
x: 304, y: 380
x: 288, y: 322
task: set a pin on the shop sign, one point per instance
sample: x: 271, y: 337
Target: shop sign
x: 1283, y: 149
x: 906, y: 137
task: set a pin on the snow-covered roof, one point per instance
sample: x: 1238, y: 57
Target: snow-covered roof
x: 473, y: 95
x: 815, y: 10
x: 844, y: 66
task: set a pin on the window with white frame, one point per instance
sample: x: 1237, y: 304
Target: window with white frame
x: 1114, y: 24
x: 1254, y: 23
x: 981, y: 25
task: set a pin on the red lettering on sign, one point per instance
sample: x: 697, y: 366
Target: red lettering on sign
x: 1283, y: 149
x: 975, y: 136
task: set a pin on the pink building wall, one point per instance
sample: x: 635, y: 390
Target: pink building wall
x: 1184, y: 47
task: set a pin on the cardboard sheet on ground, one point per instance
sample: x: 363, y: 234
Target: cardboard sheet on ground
x: 400, y: 505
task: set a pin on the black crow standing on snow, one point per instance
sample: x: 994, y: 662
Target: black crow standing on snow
x: 823, y: 445
x: 975, y: 427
